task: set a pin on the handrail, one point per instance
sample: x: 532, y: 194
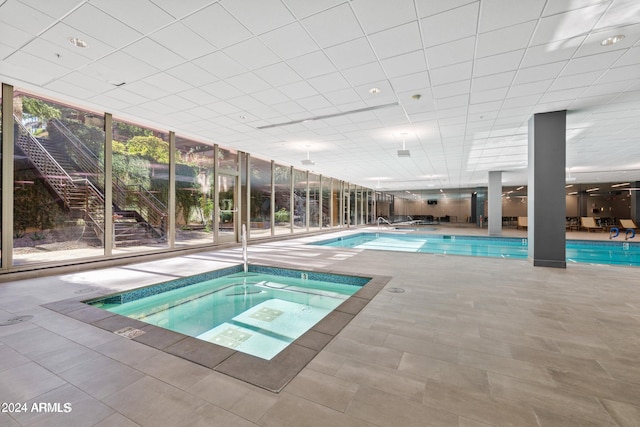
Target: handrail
x: 381, y: 219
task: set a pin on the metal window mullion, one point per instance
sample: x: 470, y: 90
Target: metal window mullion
x: 109, y: 241
x: 7, y: 176
x: 170, y: 223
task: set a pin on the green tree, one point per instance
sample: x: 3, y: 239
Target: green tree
x: 40, y: 109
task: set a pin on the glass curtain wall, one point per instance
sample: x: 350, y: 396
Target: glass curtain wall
x: 227, y: 172
x: 336, y: 197
x: 315, y: 199
x: 260, y: 199
x: 325, y: 214
x: 282, y: 183
x: 58, y: 190
x: 194, y: 192
x: 300, y: 219
x: 140, y: 182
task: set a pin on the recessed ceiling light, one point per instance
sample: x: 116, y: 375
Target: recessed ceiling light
x: 243, y: 117
x: 374, y: 90
x: 78, y: 42
x: 612, y: 40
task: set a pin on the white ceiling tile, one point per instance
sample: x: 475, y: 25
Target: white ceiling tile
x: 125, y: 96
x: 586, y: 64
x: 314, y: 103
x: 575, y: 81
x: 180, y: 39
x: 394, y: 41
x: 493, y: 81
x: 484, y: 96
x: 145, y: 17
x: 453, y: 102
x: 298, y: 90
x: 452, y: 73
x: 411, y: 82
x: 168, y: 82
x: 248, y: 82
x: 146, y: 89
x: 191, y: 73
x: 497, y: 63
x: 551, y: 52
x: 59, y: 35
x: 529, y: 88
x: 496, y: 14
x: 329, y: 82
x: 270, y: 96
x: 409, y: 63
x: 261, y: 16
x: 621, y: 13
x: 378, y: 15
x: 351, y: 54
x: 14, y: 37
x: 220, y: 65
x: 223, y: 107
x: 621, y: 73
x: 606, y: 88
x: 430, y: 7
x: 567, y: 25
x: 222, y: 90
x: 343, y: 96
x: 94, y: 22
x: 252, y: 54
x: 540, y: 72
x: 302, y: 8
x: 451, y: 25
x: 217, y: 26
x: 176, y: 102
x: 364, y: 74
x: 245, y: 102
x: 561, y: 95
x: 592, y: 45
x: 55, y: 53
x: 452, y: 53
x: 56, y: 9
x: 29, y: 19
x: 153, y: 53
x: 198, y: 96
x: 312, y: 64
x: 181, y: 9
x: 289, y: 41
x: 289, y: 107
x: 334, y: 26
x: 120, y: 67
x: 69, y: 88
x: 505, y: 39
x: 631, y: 56
x: 278, y: 74
x: 451, y: 89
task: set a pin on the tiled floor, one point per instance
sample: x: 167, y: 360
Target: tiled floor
x: 471, y: 342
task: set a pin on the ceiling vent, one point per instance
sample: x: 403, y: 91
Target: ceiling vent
x: 404, y: 153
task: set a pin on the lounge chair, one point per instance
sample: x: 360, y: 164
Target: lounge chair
x: 523, y: 223
x: 589, y: 223
x: 628, y: 224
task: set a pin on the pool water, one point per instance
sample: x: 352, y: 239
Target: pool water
x: 255, y: 313
x: 585, y: 251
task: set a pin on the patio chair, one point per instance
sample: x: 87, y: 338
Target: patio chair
x: 523, y: 223
x: 589, y: 223
x: 628, y: 224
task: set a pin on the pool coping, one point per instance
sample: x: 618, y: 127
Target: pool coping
x: 272, y: 375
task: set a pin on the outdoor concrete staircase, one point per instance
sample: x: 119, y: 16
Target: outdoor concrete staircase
x: 71, y: 171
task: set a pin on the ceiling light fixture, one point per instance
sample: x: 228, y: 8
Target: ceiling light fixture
x: 308, y: 161
x: 612, y: 40
x: 78, y: 42
x: 520, y: 188
x: 374, y: 90
x: 404, y: 152
x: 592, y: 189
x: 620, y: 185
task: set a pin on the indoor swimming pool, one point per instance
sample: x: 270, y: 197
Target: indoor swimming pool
x: 580, y: 251
x: 259, y: 312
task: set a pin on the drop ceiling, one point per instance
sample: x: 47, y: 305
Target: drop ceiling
x: 457, y: 80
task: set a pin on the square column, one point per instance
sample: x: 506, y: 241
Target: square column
x: 494, y: 205
x: 546, y: 192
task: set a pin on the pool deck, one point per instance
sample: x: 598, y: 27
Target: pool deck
x: 471, y: 342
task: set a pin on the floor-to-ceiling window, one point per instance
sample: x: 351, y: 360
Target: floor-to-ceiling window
x: 325, y: 214
x: 315, y: 199
x: 194, y: 192
x: 300, y: 186
x: 227, y: 193
x: 260, y: 200
x: 282, y: 184
x: 140, y: 182
x: 58, y: 194
x: 336, y: 202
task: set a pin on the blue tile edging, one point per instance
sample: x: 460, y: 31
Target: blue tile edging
x: 136, y: 294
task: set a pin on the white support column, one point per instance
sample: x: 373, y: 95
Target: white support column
x: 494, y: 215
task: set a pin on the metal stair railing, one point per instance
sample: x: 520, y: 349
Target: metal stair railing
x: 156, y: 210
x: 59, y: 180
